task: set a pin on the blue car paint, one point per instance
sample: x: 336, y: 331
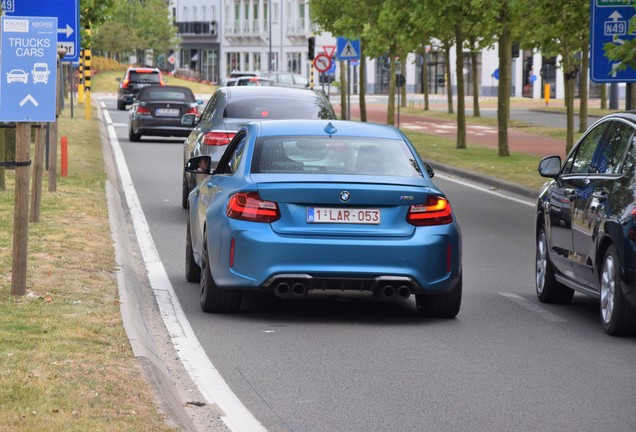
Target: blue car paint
x: 263, y: 250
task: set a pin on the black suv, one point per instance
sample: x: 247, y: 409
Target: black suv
x: 586, y: 223
x: 134, y: 80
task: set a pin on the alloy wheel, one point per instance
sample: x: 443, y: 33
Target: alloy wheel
x: 608, y: 289
x: 542, y: 262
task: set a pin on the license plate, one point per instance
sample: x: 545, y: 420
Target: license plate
x: 343, y: 215
x: 170, y: 112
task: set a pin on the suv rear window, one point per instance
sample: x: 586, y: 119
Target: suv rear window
x: 150, y: 76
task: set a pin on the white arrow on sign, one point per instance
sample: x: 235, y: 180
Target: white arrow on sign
x: 31, y: 99
x: 68, y: 30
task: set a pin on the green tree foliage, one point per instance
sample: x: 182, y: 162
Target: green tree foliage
x: 146, y: 25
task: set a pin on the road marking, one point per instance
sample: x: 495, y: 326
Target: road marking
x: 531, y: 307
x: 203, y: 373
x: 465, y: 182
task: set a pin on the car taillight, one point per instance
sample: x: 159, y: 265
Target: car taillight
x: 124, y: 85
x: 143, y: 110
x: 193, y: 111
x: 435, y: 211
x: 217, y: 138
x: 249, y: 206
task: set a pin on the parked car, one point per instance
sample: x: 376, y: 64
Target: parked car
x: 287, y: 79
x: 316, y: 207
x: 157, y: 110
x: 586, y: 223
x: 231, y: 107
x: 134, y: 80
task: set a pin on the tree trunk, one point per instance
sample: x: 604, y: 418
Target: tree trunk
x: 425, y: 79
x: 603, y: 96
x: 449, y: 85
x: 474, y: 74
x: 390, y: 112
x: 362, y: 80
x: 569, y: 75
x: 583, y: 89
x: 403, y: 57
x: 503, y: 93
x: 459, y: 67
x: 344, y: 85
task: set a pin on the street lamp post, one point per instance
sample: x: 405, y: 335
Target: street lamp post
x: 269, y: 16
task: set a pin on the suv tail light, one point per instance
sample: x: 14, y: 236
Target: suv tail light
x: 216, y: 138
x: 124, y: 85
x: 249, y: 206
x: 435, y: 211
x: 143, y: 110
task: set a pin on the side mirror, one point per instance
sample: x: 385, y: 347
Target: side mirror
x: 199, y: 165
x: 429, y: 170
x: 199, y: 101
x: 189, y: 119
x: 550, y: 166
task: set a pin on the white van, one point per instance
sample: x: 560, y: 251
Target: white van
x: 40, y: 73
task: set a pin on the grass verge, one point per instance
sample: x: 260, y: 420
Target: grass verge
x: 65, y: 361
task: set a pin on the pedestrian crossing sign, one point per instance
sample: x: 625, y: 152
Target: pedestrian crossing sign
x: 348, y: 49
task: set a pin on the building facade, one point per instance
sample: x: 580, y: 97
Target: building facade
x: 219, y: 36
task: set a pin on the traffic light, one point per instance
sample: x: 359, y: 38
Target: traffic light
x: 311, y: 47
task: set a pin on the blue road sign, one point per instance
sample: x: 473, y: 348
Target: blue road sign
x: 347, y: 49
x: 67, y: 13
x: 609, y: 24
x: 28, y: 69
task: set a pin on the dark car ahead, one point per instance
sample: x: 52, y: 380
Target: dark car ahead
x: 157, y: 110
x: 586, y: 223
x: 134, y: 80
x: 229, y: 108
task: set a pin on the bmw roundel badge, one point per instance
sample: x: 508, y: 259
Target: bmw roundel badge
x: 344, y: 196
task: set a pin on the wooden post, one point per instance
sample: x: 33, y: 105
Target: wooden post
x: 38, y: 173
x: 53, y: 157
x: 64, y: 156
x: 3, y: 158
x: 21, y: 213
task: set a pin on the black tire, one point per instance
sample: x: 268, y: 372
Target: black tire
x: 132, y: 136
x: 185, y: 191
x: 212, y: 298
x: 121, y: 106
x: 192, y: 269
x: 440, y: 305
x: 617, y: 317
x: 548, y: 289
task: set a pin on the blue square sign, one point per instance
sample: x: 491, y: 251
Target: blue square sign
x: 67, y: 14
x: 28, y: 69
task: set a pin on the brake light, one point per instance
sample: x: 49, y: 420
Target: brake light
x: 435, y: 211
x: 215, y: 138
x: 143, y: 110
x: 124, y: 85
x: 249, y: 206
x: 192, y: 111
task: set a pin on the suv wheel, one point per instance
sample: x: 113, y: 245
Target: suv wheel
x: 121, y: 106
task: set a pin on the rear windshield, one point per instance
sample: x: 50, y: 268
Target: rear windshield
x: 278, y: 109
x: 159, y: 93
x: 343, y: 155
x: 144, y: 77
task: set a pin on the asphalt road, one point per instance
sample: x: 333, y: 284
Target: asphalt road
x: 506, y: 363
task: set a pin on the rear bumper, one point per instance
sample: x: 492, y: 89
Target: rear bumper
x: 429, y: 261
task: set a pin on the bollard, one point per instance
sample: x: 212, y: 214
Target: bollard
x: 64, y: 156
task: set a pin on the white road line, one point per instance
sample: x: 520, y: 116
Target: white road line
x: 191, y: 353
x: 537, y: 310
x: 465, y: 182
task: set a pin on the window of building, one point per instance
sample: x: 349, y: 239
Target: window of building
x: 256, y: 61
x: 275, y: 12
x: 294, y: 62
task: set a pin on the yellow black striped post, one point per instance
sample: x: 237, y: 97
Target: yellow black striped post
x: 80, y: 81
x: 87, y: 79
